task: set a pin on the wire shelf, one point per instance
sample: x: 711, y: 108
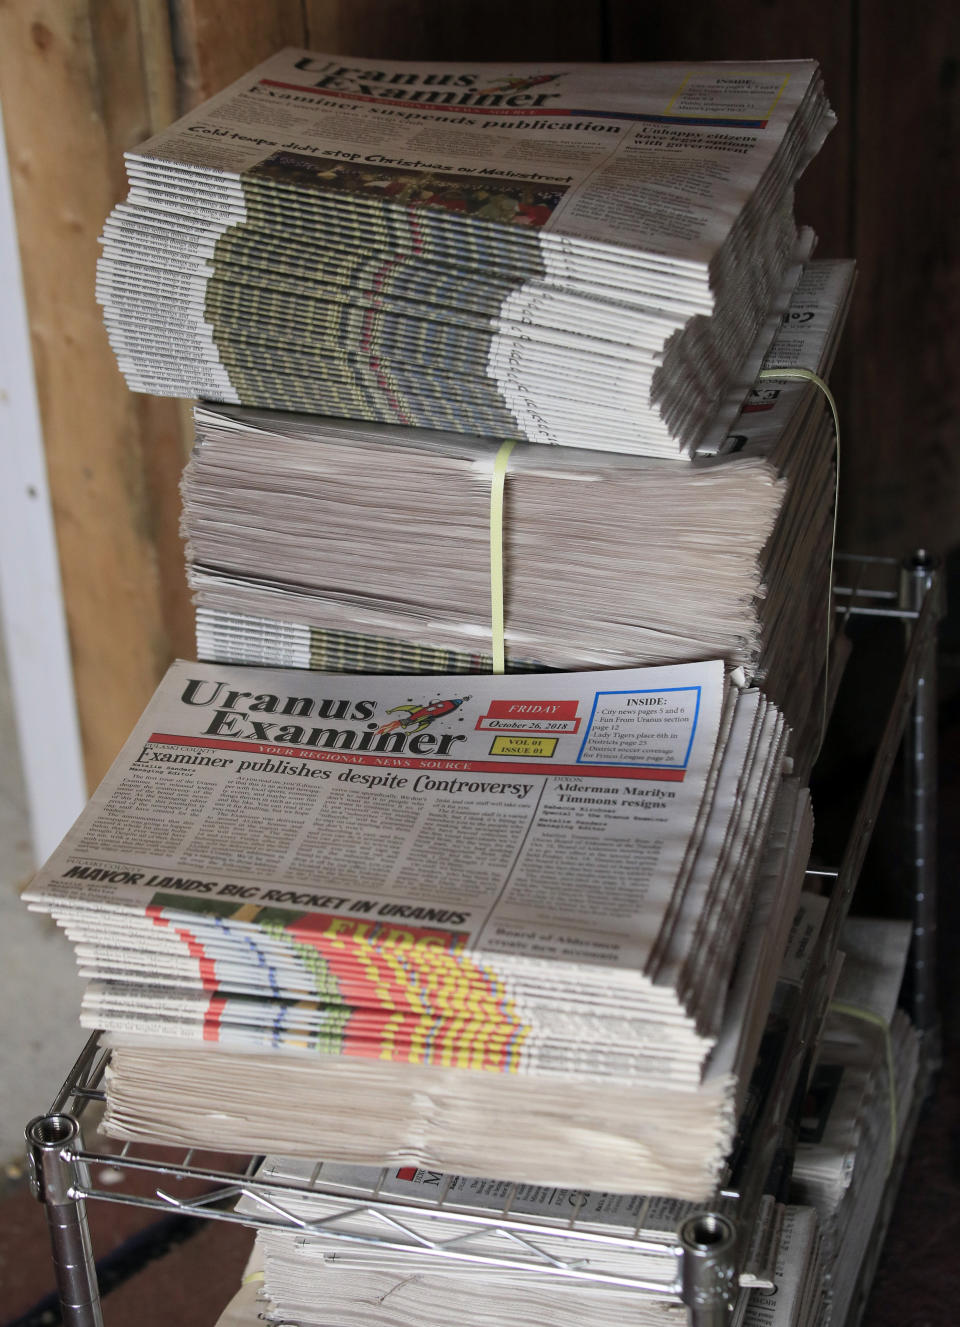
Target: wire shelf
x: 738, y: 1230
x: 236, y: 1189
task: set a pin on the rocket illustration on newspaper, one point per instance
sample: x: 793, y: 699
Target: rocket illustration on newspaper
x: 419, y: 716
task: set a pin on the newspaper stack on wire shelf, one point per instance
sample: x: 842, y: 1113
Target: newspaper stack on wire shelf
x: 314, y: 1277
x: 284, y: 1286
x: 318, y: 542
x: 301, y: 1278
x: 310, y: 1273
x: 858, y: 1101
x: 594, y: 255
x: 371, y: 918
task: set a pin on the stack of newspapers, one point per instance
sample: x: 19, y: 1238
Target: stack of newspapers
x: 797, y: 1297
x: 317, y: 542
x: 594, y: 255
x: 433, y: 1242
x: 361, y: 1235
x: 572, y: 1258
x: 346, y: 895
x: 859, y: 1098
x: 561, y: 899
x: 575, y: 1256
x: 305, y: 1278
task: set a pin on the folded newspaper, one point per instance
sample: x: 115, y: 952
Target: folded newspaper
x: 318, y: 542
x: 289, y: 1280
x: 595, y: 255
x: 414, y: 907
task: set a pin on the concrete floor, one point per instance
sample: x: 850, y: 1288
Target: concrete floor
x: 40, y: 1035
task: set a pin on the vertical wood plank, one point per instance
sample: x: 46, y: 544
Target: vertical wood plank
x: 468, y: 30
x: 83, y: 80
x: 904, y: 466
x: 216, y: 41
x: 156, y: 58
x: 72, y: 83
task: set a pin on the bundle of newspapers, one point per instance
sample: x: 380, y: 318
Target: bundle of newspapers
x: 432, y: 1243
x: 426, y: 1240
x: 318, y: 542
x: 859, y: 1100
x: 595, y: 255
x: 365, y: 917
x: 523, y: 1252
x: 286, y: 1282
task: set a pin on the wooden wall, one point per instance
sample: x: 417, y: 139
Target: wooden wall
x: 81, y: 80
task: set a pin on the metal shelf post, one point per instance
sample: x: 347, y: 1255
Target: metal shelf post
x: 918, y: 578
x: 708, y: 1245
x: 52, y: 1179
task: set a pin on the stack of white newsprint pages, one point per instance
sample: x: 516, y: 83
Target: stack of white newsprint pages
x: 311, y: 1279
x: 286, y: 1282
x: 852, y: 1127
x: 595, y: 255
x: 371, y: 918
x: 317, y: 542
x: 373, y: 1230
x: 361, y: 1254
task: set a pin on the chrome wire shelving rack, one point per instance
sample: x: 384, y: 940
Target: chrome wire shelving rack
x: 717, y: 1253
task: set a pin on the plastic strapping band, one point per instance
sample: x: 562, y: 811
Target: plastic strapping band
x: 808, y: 375
x: 496, y: 554
x: 868, y: 1016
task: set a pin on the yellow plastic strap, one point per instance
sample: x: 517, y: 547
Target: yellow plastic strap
x: 251, y: 1277
x: 868, y: 1016
x: 496, y: 553
x: 808, y: 375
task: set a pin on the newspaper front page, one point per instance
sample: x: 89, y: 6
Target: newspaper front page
x: 541, y: 816
x: 573, y: 150
x: 482, y: 248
